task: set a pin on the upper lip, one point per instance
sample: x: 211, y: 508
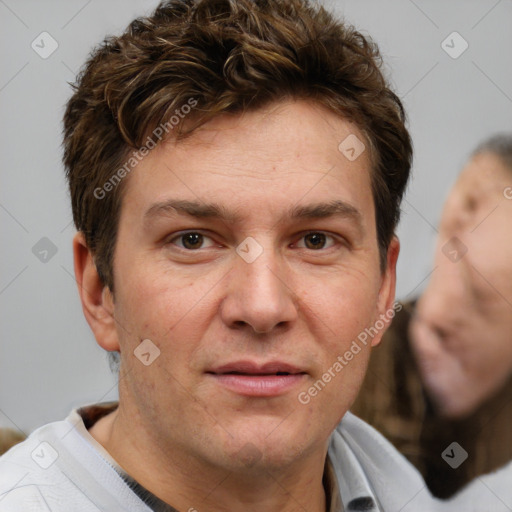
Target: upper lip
x: 252, y: 368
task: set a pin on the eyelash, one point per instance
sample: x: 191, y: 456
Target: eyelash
x: 184, y: 233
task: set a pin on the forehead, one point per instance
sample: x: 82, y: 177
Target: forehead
x: 267, y: 160
x: 483, y: 173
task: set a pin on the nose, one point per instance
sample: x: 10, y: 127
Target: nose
x: 446, y: 299
x: 259, y: 295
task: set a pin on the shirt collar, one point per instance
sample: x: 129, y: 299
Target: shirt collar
x: 344, y: 477
x: 332, y: 491
x: 350, y: 486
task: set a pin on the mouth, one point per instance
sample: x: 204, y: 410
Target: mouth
x: 250, y: 379
x: 254, y: 374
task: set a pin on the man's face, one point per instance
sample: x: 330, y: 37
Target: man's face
x: 228, y: 312
x: 464, y: 323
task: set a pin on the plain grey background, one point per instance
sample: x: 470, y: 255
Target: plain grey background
x: 49, y: 361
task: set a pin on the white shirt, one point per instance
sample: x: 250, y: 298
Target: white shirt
x: 61, y: 468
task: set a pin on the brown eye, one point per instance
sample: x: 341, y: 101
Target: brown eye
x: 191, y: 240
x: 315, y: 240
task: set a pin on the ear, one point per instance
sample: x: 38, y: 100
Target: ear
x: 386, y: 299
x: 97, y: 300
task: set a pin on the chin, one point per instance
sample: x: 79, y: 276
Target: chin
x: 456, y: 401
x: 259, y: 449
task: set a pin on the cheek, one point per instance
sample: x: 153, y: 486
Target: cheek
x: 490, y: 254
x: 333, y: 391
x: 154, y: 305
x: 348, y: 306
x: 341, y: 317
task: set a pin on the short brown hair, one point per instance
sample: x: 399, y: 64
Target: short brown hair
x: 229, y: 56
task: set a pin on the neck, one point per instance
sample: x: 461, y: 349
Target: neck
x: 188, y: 483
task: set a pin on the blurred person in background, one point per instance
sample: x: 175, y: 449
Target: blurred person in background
x: 443, y: 371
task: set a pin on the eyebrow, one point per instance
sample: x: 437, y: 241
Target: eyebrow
x: 335, y: 208
x: 192, y: 209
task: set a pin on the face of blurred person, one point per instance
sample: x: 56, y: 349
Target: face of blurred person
x: 462, y: 334
x: 289, y: 300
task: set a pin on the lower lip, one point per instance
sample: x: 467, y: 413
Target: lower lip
x: 259, y: 385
